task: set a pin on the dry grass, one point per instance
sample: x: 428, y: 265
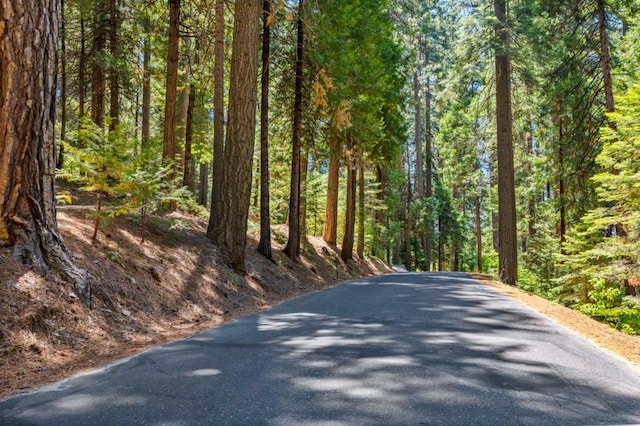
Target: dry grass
x: 601, y: 334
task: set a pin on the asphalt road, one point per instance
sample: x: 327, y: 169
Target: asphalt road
x: 403, y: 349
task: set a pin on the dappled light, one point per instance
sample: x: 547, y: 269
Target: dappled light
x: 423, y: 348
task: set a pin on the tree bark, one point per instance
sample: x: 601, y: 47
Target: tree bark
x: 188, y: 176
x: 605, y: 61
x: 478, y: 220
x: 28, y: 54
x: 214, y: 230
x: 114, y: 87
x: 292, y: 249
x: 82, y: 67
x: 264, y: 246
x: 169, y: 144
x: 508, y: 250
x: 63, y: 86
x: 361, y: 207
x: 418, y: 134
x: 203, y: 188
x: 350, y: 206
x: 304, y: 166
x: 98, y: 83
x: 428, y: 237
x: 241, y: 133
x: 146, y: 91
x: 333, y: 179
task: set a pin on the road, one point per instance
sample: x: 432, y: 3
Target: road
x: 403, y: 349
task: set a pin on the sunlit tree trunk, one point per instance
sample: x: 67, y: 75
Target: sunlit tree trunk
x: 292, y: 249
x: 28, y: 53
x: 171, y: 85
x: 507, y: 250
x: 240, y: 134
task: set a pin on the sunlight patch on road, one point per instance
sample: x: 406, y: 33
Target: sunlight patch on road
x: 204, y: 372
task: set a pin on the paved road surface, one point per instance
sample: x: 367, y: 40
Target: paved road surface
x: 404, y: 349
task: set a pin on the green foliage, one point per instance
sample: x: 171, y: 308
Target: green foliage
x: 103, y: 163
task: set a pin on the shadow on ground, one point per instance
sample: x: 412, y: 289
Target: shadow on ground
x: 406, y: 349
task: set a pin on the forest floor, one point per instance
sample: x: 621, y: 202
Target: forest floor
x: 152, y: 284
x: 621, y: 344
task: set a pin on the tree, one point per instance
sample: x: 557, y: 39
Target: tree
x: 292, y: 248
x: 508, y: 250
x: 214, y: 228
x: 27, y: 149
x: 264, y: 246
x: 169, y: 147
x: 240, y: 134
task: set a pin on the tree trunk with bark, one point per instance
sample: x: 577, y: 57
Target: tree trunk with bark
x: 292, y: 249
x: 478, y: 222
x: 114, y: 87
x: 170, y: 103
x: 146, y: 91
x: 82, y: 67
x: 350, y: 206
x: 63, y: 86
x: 428, y: 177
x: 264, y: 246
x: 361, y: 207
x: 188, y: 176
x: 214, y: 230
x: 508, y: 242
x: 28, y: 53
x: 98, y: 82
x: 240, y: 134
x: 333, y: 180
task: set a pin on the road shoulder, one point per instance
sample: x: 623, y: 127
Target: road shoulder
x: 621, y: 344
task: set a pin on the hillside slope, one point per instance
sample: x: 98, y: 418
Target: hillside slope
x: 153, y: 283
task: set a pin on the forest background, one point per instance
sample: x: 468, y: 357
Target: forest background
x: 490, y: 136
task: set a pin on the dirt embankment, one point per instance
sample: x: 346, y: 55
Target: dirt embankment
x: 153, y: 283
x: 622, y: 344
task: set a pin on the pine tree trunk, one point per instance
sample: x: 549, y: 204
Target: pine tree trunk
x: 508, y: 250
x: 350, y: 213
x: 605, y: 61
x: 63, y: 86
x: 241, y: 133
x: 361, y: 207
x: 428, y: 237
x: 171, y: 84
x: 333, y: 179
x: 146, y: 92
x: 440, y: 243
x: 418, y: 134
x: 478, y: 220
x: 188, y: 176
x: 114, y: 88
x: 82, y: 67
x: 304, y: 165
x: 98, y: 83
x: 203, y: 187
x: 264, y: 246
x: 292, y: 249
x: 28, y: 53
x: 214, y: 230
x: 408, y: 219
